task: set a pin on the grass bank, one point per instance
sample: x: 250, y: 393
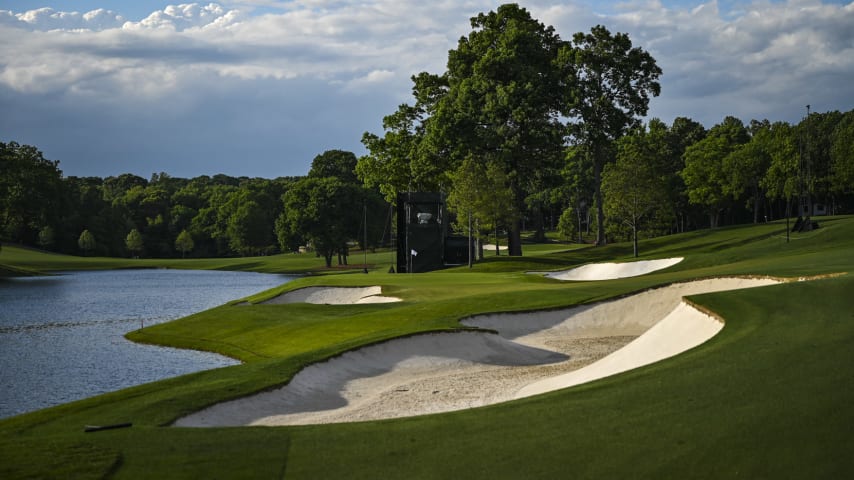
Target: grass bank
x: 769, y: 397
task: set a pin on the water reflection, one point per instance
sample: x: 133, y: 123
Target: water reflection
x: 62, y: 337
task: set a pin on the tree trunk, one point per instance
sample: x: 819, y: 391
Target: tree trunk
x: 755, y: 203
x: 470, y: 247
x: 635, y: 237
x: 514, y: 239
x: 597, y: 194
x: 497, y: 250
x: 539, y: 225
x: 327, y: 256
x: 479, y: 240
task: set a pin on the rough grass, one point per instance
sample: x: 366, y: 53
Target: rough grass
x: 769, y: 397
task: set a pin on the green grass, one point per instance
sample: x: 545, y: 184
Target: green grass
x: 769, y: 397
x: 20, y: 259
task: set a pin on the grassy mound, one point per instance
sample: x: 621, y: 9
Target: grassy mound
x: 768, y: 397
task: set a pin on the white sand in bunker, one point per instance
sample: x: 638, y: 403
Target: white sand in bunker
x: 611, y: 271
x: 533, y: 353
x: 333, y: 296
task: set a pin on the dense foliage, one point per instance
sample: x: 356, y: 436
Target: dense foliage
x: 664, y: 179
x: 165, y: 216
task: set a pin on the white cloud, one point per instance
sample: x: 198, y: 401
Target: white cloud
x: 187, y: 16
x: 44, y: 19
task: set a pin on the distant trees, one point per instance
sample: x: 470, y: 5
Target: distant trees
x: 134, y: 242
x: 327, y: 208
x: 482, y: 198
x: 321, y: 210
x: 208, y: 216
x: 86, y: 242
x: 632, y: 187
x: 30, y: 192
x: 249, y: 228
x: 47, y: 237
x: 842, y: 155
x: 335, y: 163
x: 708, y: 178
x: 184, y: 243
x: 780, y: 180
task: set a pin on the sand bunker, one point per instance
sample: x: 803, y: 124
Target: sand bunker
x: 333, y: 296
x: 610, y: 271
x: 532, y: 353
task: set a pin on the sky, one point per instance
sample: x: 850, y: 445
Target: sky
x: 258, y: 88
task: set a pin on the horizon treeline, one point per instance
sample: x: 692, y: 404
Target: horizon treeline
x: 214, y: 216
x: 731, y: 173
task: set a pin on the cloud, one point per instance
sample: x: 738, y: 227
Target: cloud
x: 45, y: 19
x: 293, y: 78
x: 768, y: 60
x: 187, y: 16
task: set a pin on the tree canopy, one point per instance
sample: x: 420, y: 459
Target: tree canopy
x: 511, y: 96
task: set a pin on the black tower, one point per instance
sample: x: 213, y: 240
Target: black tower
x: 421, y: 231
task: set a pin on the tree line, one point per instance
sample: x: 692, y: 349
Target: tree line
x: 165, y: 216
x: 523, y: 131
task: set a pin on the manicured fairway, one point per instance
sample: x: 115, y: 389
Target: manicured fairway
x: 770, y: 397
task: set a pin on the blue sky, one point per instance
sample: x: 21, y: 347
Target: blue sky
x: 259, y: 87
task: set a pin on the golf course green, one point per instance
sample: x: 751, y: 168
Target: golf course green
x: 770, y: 396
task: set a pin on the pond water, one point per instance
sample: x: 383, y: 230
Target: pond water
x: 62, y: 337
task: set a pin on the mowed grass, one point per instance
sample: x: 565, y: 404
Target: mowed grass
x: 769, y: 397
x: 15, y: 259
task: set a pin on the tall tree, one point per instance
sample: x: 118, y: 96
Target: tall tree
x: 608, y: 86
x: 683, y: 133
x: 325, y: 212
x: 184, y: 243
x: 575, y: 193
x: 746, y: 165
x: 30, y: 192
x: 706, y: 177
x: 134, y: 242
x: 633, y: 189
x: 249, y: 229
x: 395, y: 163
x: 815, y: 134
x: 465, y: 196
x: 334, y: 163
x: 502, y: 103
x: 842, y: 154
x: 780, y: 180
x: 86, y: 242
x: 47, y: 237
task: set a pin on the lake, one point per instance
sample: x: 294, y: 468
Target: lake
x: 62, y: 337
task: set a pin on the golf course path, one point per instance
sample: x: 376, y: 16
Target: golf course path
x: 532, y: 353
